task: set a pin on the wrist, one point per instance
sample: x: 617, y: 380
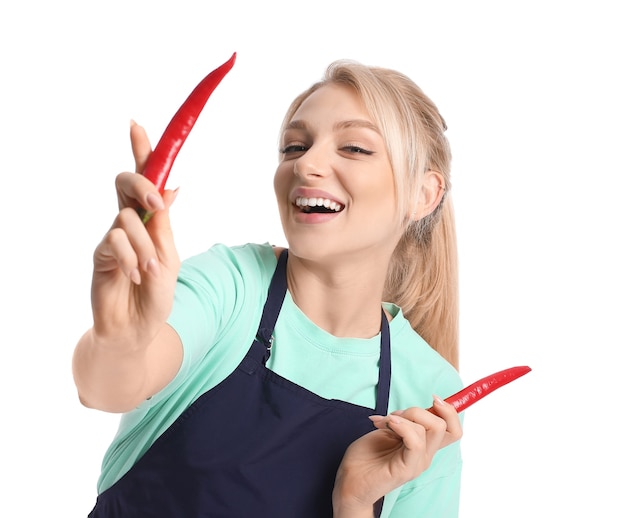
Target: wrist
x: 344, y: 507
x: 351, y: 512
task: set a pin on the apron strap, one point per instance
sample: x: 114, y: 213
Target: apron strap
x: 273, y: 304
x: 384, y: 368
x: 271, y: 310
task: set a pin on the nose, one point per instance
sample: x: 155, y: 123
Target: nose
x: 314, y: 163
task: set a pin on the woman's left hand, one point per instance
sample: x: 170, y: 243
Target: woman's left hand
x: 401, y: 448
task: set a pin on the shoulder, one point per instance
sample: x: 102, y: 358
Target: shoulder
x: 246, y: 256
x: 217, y: 287
x: 418, y: 370
x: 228, y: 267
x: 219, y: 295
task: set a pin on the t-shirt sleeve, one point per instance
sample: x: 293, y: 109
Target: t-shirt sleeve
x: 435, y: 493
x: 215, y: 290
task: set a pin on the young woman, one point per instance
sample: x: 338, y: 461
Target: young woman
x: 257, y: 381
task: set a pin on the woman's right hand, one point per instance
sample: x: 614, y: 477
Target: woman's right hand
x: 130, y: 352
x: 135, y: 265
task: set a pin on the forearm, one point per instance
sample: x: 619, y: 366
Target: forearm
x: 109, y: 377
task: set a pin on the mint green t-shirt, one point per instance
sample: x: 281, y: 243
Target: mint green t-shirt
x: 218, y: 304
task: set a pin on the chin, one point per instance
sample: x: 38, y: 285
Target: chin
x: 310, y: 249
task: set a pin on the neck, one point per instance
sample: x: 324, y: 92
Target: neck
x: 343, y: 299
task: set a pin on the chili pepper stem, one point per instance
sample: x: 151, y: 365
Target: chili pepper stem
x: 144, y: 215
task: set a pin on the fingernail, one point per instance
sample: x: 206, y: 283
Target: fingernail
x: 154, y: 202
x: 376, y: 418
x: 135, y: 276
x: 152, y: 266
x: 437, y: 400
x: 394, y: 419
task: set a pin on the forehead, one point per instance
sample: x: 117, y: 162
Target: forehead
x: 332, y: 100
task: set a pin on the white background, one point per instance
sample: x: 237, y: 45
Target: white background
x: 533, y: 93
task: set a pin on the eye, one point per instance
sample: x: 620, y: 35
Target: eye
x: 357, y: 150
x: 293, y: 148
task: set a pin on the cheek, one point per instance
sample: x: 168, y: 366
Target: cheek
x: 278, y: 180
x: 281, y: 183
x: 382, y: 194
x: 377, y: 187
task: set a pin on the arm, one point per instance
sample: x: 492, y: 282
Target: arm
x: 400, y: 449
x: 130, y: 352
x: 434, y: 494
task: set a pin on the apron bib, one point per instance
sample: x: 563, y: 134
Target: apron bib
x: 255, y: 445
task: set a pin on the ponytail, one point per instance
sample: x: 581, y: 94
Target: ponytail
x: 423, y: 280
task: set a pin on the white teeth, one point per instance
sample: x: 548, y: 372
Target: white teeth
x: 318, y: 202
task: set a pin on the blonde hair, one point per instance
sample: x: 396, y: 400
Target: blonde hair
x: 423, y: 273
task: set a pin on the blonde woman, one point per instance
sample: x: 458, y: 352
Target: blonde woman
x: 267, y: 382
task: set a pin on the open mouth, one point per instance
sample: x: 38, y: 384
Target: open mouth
x: 318, y: 205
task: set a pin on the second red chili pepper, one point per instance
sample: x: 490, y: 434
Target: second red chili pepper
x: 479, y: 389
x: 160, y: 161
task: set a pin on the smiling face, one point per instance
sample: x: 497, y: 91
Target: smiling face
x: 334, y: 183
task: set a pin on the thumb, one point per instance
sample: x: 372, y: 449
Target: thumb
x: 140, y: 145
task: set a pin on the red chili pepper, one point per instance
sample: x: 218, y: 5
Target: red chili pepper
x: 160, y: 161
x: 478, y: 390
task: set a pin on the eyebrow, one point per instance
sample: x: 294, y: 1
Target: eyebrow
x: 352, y: 123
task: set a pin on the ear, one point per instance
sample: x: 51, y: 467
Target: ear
x: 430, y: 195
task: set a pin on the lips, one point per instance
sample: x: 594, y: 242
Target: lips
x: 314, y: 201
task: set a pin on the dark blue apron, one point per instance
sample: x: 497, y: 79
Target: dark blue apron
x: 256, y: 445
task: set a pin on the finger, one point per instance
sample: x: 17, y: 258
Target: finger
x: 412, y: 456
x: 116, y: 252
x: 413, y: 434
x: 160, y: 230
x: 422, y: 433
x: 434, y: 425
x: 454, y: 430
x: 382, y: 422
x: 142, y: 254
x: 133, y: 190
x: 140, y: 145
